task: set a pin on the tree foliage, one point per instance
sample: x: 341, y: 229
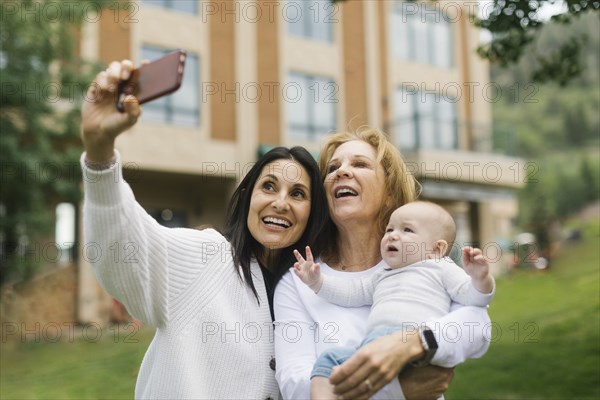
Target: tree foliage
x: 563, y: 185
x: 548, y: 118
x: 42, y: 82
x: 557, y: 128
x: 515, y: 26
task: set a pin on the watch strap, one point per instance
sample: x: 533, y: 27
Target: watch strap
x: 429, y: 344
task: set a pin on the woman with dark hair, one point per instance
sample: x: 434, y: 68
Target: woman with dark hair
x: 208, y: 295
x: 241, y: 236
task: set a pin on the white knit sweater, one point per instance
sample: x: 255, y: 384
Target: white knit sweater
x: 213, y: 340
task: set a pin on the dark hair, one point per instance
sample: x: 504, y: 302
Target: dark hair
x: 243, y: 244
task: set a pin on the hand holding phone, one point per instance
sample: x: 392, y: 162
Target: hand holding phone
x: 153, y: 80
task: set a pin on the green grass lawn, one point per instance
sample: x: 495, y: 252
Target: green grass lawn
x: 94, y: 364
x: 548, y: 342
x: 545, y: 344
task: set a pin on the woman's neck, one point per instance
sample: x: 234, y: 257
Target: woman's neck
x: 358, y: 249
x: 269, y: 258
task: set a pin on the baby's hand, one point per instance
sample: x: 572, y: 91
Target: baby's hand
x: 308, y: 271
x: 475, y: 264
x: 478, y: 269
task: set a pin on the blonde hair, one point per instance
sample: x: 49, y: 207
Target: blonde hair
x: 400, y: 185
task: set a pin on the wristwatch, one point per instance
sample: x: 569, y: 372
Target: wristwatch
x: 429, y: 344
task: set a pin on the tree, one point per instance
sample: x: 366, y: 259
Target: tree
x: 515, y: 27
x: 42, y: 83
x: 576, y: 126
x: 551, y: 119
x: 591, y: 181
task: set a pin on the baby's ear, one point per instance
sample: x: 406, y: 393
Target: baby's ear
x: 440, y: 248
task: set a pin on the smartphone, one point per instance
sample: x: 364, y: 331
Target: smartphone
x: 154, y: 80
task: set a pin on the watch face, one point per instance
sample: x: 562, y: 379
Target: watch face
x: 429, y: 345
x: 430, y: 339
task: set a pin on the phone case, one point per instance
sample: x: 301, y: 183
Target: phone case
x: 154, y: 80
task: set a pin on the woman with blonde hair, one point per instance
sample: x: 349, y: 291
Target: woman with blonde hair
x: 365, y: 180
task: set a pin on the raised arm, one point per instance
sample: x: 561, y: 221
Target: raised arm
x: 112, y: 220
x: 121, y: 233
x: 348, y: 292
x: 136, y: 260
x: 465, y: 332
x: 472, y: 286
x: 343, y: 292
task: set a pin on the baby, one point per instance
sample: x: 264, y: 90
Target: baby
x: 418, y: 283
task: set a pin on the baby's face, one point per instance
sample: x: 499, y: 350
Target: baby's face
x: 409, y: 236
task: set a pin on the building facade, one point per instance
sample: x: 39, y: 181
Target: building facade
x: 263, y: 73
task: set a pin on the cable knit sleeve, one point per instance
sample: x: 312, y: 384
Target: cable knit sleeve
x: 136, y: 260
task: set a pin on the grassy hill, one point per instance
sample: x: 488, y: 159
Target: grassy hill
x: 545, y: 343
x: 94, y: 364
x: 546, y: 336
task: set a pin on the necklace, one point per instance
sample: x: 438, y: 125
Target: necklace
x: 351, y: 267
x: 343, y: 267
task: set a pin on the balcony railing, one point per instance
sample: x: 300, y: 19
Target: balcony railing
x: 452, y: 134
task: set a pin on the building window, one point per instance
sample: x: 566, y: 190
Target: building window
x: 310, y: 106
x: 425, y: 120
x: 186, y: 6
x: 422, y: 34
x: 310, y: 19
x: 182, y: 107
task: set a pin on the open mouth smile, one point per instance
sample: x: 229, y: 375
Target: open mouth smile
x: 345, y: 192
x: 277, y: 222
